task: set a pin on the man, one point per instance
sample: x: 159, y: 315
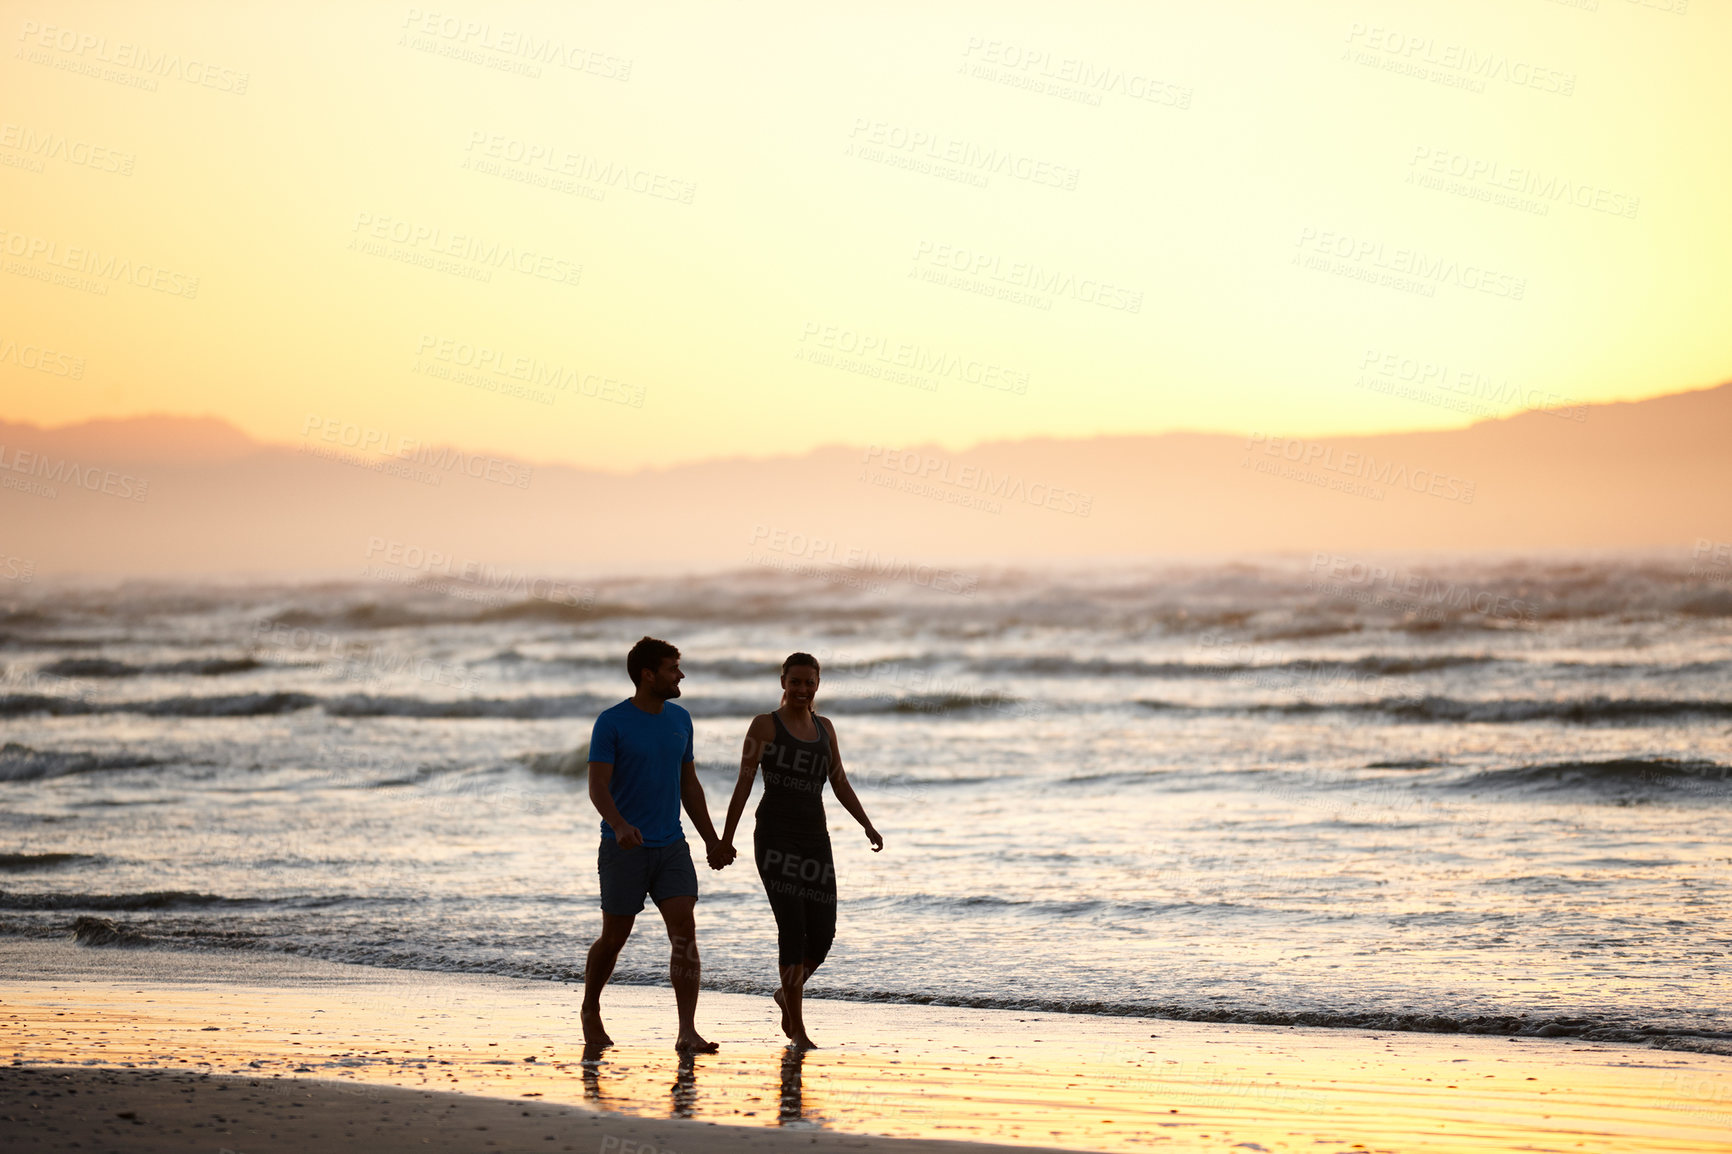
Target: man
x: 640, y: 771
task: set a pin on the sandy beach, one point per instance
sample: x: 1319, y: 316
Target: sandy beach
x: 316, y: 1055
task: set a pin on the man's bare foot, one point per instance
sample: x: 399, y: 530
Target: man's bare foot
x: 594, y: 1034
x: 802, y: 1042
x: 783, y: 1003
x: 689, y: 1042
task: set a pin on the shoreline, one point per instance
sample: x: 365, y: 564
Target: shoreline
x: 1523, y: 1025
x: 888, y: 1073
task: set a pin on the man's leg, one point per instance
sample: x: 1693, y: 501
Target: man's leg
x: 597, y: 969
x: 684, y: 970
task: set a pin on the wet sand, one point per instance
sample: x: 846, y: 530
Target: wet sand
x: 144, y: 1111
x: 384, y: 1060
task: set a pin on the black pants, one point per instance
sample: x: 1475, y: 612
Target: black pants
x: 799, y: 877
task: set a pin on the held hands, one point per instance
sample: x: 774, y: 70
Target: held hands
x: 720, y: 854
x: 627, y: 835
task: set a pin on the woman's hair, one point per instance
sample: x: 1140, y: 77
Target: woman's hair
x: 800, y: 659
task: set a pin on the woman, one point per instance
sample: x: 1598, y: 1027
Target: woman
x: 797, y: 751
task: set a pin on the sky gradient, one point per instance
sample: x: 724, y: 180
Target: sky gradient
x: 636, y: 238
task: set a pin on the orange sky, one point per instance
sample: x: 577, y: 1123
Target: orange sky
x: 623, y: 237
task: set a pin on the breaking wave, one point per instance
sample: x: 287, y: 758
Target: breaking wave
x: 1617, y: 777
x: 582, y: 706
x: 24, y: 862
x: 22, y: 763
x: 1577, y: 711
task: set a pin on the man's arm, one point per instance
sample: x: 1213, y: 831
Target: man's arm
x: 698, y: 809
x: 624, y: 832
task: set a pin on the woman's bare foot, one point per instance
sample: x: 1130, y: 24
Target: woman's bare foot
x: 783, y: 1003
x: 690, y: 1042
x: 802, y: 1042
x: 594, y: 1034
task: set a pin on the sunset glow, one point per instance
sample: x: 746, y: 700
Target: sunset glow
x: 633, y: 238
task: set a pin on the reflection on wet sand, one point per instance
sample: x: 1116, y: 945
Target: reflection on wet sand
x: 793, y: 1058
x: 685, y: 1089
x: 590, y: 1072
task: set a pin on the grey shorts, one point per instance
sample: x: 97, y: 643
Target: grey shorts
x: 662, y: 872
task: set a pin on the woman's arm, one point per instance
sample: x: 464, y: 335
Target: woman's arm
x: 761, y: 732
x: 845, y: 794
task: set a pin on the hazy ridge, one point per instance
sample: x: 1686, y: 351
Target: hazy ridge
x: 1648, y: 474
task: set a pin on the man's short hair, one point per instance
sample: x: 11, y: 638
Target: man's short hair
x: 648, y: 653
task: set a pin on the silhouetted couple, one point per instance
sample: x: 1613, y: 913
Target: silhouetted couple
x: 641, y: 771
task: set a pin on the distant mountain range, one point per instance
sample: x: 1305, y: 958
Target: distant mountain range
x: 190, y: 496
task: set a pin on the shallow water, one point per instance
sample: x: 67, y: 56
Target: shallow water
x: 1486, y: 795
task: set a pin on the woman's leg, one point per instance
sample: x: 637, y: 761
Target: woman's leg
x: 779, y: 866
x: 792, y: 999
x: 820, y: 912
x: 818, y: 932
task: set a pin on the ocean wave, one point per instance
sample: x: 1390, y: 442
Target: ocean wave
x: 105, y: 667
x: 89, y: 931
x: 528, y: 708
x: 22, y: 763
x: 1347, y: 669
x: 1712, y: 603
x: 531, y: 708
x: 1273, y: 600
x: 1576, y: 711
x: 89, y: 667
x: 1124, y: 912
x: 908, y: 782
x: 1430, y: 708
x: 1115, y: 777
x: 1617, y: 777
x: 229, y: 705
x: 562, y: 763
x: 232, y: 705
x: 539, y: 609
x: 365, y: 615
x: 929, y: 703
x: 1579, y: 711
x: 210, y: 666
x: 728, y: 668
x: 24, y: 862
x: 20, y: 704
x: 432, y: 608
x: 1382, y: 666
x: 153, y: 900
x: 1527, y: 1025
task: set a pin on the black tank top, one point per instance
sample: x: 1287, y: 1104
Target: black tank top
x: 794, y: 774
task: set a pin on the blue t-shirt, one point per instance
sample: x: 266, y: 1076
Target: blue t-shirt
x: 648, y: 751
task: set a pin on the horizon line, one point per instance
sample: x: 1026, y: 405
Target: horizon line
x: 738, y: 458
